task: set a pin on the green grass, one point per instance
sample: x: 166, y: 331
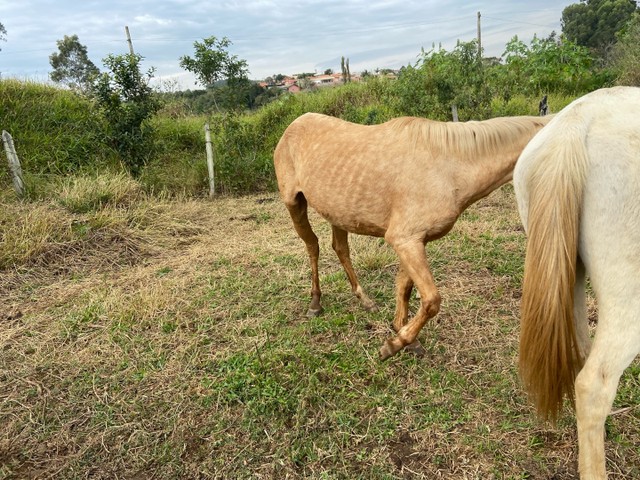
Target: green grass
x: 168, y: 340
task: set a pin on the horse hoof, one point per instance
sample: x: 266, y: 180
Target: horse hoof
x: 370, y: 307
x: 314, y: 312
x: 388, y: 350
x: 416, y: 349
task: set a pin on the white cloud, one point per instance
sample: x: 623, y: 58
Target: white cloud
x: 286, y: 36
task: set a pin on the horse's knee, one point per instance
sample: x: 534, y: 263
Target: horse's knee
x: 431, y: 303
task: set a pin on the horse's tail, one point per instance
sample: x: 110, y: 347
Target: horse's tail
x: 549, y: 355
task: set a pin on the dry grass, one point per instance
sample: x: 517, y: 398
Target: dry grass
x: 156, y: 339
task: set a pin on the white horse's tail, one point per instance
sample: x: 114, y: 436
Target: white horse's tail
x: 549, y: 356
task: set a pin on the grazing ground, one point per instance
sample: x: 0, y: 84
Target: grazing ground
x: 167, y: 340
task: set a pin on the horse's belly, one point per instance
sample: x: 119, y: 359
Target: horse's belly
x: 362, y: 224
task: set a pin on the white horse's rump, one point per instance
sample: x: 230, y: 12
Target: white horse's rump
x: 577, y: 185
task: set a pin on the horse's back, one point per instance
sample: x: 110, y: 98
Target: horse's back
x: 606, y: 124
x: 610, y: 226
x: 347, y: 172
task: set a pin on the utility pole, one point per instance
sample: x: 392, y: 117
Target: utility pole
x: 126, y: 29
x: 479, y: 39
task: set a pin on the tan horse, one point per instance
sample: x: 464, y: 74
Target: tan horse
x: 406, y: 180
x: 578, y: 190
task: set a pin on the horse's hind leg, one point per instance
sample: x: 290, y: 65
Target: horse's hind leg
x: 404, y: 286
x: 580, y: 313
x: 615, y: 346
x: 298, y: 211
x: 341, y: 247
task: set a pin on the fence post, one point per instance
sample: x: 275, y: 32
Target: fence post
x: 209, y: 147
x: 454, y: 112
x: 14, y: 163
x: 543, y: 107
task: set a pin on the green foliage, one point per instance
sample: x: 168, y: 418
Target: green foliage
x: 166, y: 150
x: 242, y: 163
x: 178, y: 166
x: 442, y: 79
x: 594, y: 23
x: 213, y: 63
x: 71, y: 65
x: 55, y: 131
x: 626, y: 54
x: 3, y: 33
x: 127, y: 102
x: 546, y: 65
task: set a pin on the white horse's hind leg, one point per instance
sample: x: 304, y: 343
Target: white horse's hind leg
x: 580, y: 313
x: 616, y: 344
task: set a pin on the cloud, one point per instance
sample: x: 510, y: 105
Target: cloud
x: 283, y: 36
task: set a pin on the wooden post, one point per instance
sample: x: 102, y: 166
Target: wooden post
x: 209, y: 147
x: 479, y: 39
x: 14, y: 163
x: 126, y: 29
x: 454, y: 112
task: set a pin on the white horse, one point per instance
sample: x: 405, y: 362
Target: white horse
x: 577, y: 185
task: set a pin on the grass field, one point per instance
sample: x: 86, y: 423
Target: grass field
x: 151, y: 339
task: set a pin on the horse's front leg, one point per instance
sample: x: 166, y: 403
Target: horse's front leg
x: 404, y: 286
x: 414, y: 269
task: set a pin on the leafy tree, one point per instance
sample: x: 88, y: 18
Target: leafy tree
x: 625, y: 58
x: 71, y: 65
x: 549, y: 64
x: 127, y: 102
x: 594, y: 23
x: 212, y: 63
x: 442, y: 79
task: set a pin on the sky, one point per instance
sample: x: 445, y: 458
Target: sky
x: 286, y: 36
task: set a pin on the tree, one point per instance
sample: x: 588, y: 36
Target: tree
x: 442, y: 79
x: 625, y: 57
x: 3, y: 33
x: 71, y: 65
x: 212, y: 63
x: 216, y: 69
x: 346, y: 74
x: 127, y: 102
x: 549, y: 64
x: 594, y: 23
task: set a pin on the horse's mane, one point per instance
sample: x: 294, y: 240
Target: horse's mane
x: 487, y: 137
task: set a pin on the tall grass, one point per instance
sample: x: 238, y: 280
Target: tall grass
x: 56, y: 133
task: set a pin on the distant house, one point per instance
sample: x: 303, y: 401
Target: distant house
x: 292, y: 85
x: 326, y: 80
